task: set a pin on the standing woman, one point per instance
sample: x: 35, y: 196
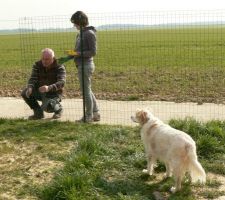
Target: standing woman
x: 80, y: 20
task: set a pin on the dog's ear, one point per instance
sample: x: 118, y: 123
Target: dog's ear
x: 144, y: 117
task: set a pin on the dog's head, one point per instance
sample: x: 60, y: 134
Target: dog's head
x: 141, y: 116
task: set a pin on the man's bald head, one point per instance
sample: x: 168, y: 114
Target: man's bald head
x: 47, y: 57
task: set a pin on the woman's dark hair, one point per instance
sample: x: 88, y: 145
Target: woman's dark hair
x: 79, y: 18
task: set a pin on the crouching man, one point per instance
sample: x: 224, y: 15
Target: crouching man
x: 46, y: 85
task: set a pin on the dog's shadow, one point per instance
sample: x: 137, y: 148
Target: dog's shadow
x: 122, y: 187
x: 144, y: 185
x: 141, y: 184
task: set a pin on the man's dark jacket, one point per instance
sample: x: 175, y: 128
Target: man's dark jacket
x: 53, y: 76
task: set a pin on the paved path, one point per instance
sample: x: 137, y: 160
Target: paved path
x: 119, y: 112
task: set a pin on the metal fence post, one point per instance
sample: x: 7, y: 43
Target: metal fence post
x: 82, y: 70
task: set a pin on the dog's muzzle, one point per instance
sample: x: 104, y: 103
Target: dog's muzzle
x: 133, y: 119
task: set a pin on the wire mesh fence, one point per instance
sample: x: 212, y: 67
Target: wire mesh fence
x: 143, y: 59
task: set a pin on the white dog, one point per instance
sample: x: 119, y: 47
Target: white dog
x: 173, y: 147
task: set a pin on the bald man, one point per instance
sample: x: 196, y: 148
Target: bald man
x: 46, y: 85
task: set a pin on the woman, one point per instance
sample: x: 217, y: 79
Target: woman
x: 89, y: 46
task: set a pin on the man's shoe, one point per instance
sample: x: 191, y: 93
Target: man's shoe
x: 87, y: 119
x: 57, y: 114
x: 38, y: 114
x: 96, y: 117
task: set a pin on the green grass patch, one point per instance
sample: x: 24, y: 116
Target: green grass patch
x: 179, y: 64
x: 64, y: 160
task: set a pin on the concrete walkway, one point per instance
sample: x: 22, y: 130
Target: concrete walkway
x: 119, y: 112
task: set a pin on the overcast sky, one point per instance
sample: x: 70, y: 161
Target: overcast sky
x: 14, y: 9
x: 11, y: 10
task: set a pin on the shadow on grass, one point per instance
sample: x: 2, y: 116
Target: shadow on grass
x: 144, y: 187
x: 129, y: 188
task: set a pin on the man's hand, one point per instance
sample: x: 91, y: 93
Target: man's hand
x: 28, y: 92
x: 43, y: 89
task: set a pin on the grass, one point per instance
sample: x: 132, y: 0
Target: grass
x: 178, y: 64
x: 63, y: 160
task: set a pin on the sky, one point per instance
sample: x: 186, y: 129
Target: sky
x: 11, y: 10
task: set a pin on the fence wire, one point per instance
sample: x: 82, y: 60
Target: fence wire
x: 143, y: 59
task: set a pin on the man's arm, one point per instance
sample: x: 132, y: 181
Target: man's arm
x: 61, y: 80
x: 34, y: 77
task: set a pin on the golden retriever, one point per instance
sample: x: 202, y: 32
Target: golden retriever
x: 171, y: 146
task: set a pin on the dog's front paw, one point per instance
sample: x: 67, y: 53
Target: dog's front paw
x: 145, y: 171
x: 173, y: 189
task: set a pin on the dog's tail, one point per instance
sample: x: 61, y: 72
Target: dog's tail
x: 195, y: 168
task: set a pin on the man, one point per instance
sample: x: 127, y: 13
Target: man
x: 45, y: 84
